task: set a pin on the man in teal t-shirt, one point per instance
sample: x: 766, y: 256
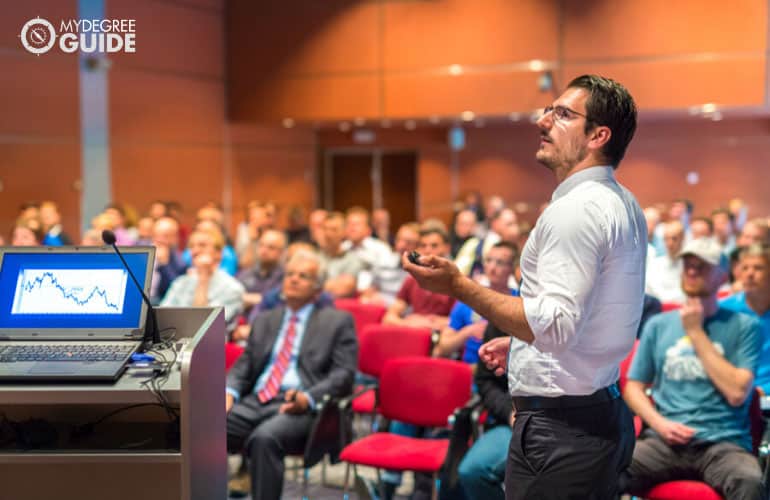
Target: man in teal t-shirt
x: 700, y: 362
x: 754, y: 300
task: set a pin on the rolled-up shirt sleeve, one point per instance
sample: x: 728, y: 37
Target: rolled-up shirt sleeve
x: 571, y: 243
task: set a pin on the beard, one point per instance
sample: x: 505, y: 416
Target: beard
x: 557, y: 160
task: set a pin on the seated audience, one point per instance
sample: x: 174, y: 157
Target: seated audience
x: 297, y: 229
x: 27, y: 232
x: 502, y: 226
x: 316, y: 227
x: 359, y: 239
x: 482, y: 469
x: 463, y: 229
x: 229, y: 261
x: 754, y: 300
x: 248, y: 232
x: 267, y: 272
x: 701, y: 227
x: 415, y: 306
x: 754, y: 231
x: 381, y: 226
x: 342, y: 265
x: 664, y: 273
x: 205, y: 283
x: 723, y: 229
x: 382, y: 283
x: 700, y: 362
x: 92, y: 238
x: 144, y: 228
x: 466, y: 328
x: 121, y: 226
x: 51, y: 219
x: 296, y: 355
x: 169, y: 264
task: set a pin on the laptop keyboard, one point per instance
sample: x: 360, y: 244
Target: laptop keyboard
x: 57, y: 352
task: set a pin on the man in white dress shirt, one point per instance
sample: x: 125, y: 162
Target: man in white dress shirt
x: 664, y: 273
x: 581, y: 301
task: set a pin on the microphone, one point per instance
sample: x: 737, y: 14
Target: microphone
x: 151, y: 332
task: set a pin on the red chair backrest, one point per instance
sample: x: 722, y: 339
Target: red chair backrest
x: 424, y: 391
x: 670, y: 306
x: 625, y: 365
x: 379, y: 343
x: 232, y: 352
x: 363, y: 314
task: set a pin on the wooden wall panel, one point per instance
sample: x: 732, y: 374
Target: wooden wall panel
x: 311, y: 99
x: 189, y: 174
x: 37, y: 171
x: 408, y: 96
x: 40, y: 96
x: 15, y: 14
x: 684, y: 84
x: 604, y: 29
x: 172, y: 38
x: 156, y: 108
x: 480, y: 32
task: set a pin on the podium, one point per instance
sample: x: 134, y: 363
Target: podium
x: 133, y: 449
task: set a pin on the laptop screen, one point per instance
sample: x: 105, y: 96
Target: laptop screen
x: 73, y: 291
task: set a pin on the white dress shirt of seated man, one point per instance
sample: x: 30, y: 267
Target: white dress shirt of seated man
x: 205, y: 284
x: 500, y: 264
x: 433, y: 242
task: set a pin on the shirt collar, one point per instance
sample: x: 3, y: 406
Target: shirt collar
x: 303, y: 313
x: 598, y: 173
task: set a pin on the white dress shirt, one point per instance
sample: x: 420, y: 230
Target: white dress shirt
x: 664, y: 279
x: 582, y: 288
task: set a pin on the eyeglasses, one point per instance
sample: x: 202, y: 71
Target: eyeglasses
x: 562, y: 113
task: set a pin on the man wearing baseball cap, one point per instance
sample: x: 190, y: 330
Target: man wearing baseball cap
x: 700, y: 362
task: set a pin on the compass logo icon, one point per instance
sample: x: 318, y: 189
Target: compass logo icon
x: 38, y: 36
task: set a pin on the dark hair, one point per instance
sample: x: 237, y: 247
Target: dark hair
x: 426, y: 231
x: 723, y: 211
x: 512, y: 247
x: 609, y: 104
x: 707, y: 220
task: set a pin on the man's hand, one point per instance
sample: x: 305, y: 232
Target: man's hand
x: 252, y: 299
x: 296, y: 402
x: 672, y: 432
x: 229, y: 402
x: 494, y: 354
x: 162, y: 254
x: 436, y: 274
x: 476, y: 330
x: 418, y: 321
x: 692, y: 315
x: 241, y: 332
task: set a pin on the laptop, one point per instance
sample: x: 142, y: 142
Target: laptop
x: 70, y: 314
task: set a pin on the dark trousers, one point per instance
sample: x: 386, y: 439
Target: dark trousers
x: 266, y: 437
x: 731, y: 470
x: 570, y: 453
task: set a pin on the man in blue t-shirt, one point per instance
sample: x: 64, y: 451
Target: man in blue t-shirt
x: 466, y: 328
x: 754, y: 300
x: 700, y: 362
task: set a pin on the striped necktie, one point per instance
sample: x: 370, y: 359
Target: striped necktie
x: 280, y: 365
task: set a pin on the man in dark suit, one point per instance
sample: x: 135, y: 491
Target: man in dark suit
x: 296, y: 354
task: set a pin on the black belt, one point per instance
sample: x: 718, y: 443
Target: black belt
x: 528, y: 403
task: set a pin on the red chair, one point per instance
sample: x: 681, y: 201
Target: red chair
x: 697, y: 490
x: 379, y: 343
x: 417, y: 390
x: 670, y: 306
x: 232, y: 352
x: 363, y: 314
